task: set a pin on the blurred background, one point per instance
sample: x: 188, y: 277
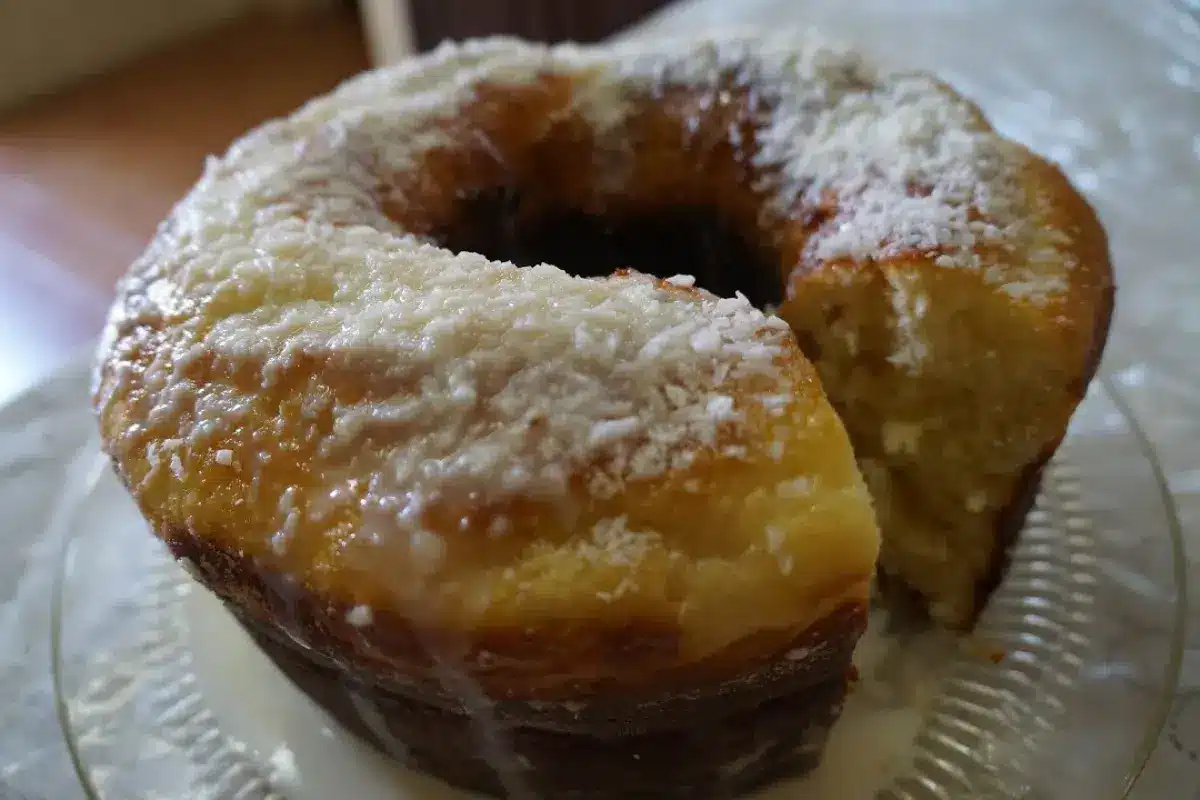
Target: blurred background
x: 108, y: 108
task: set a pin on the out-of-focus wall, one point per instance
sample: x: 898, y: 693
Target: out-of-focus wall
x: 48, y: 44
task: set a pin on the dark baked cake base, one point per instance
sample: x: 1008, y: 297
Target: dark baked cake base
x: 773, y: 726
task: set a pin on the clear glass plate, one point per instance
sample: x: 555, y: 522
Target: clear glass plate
x: 1089, y: 620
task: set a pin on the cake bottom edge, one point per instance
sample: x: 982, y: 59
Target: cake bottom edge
x: 782, y: 734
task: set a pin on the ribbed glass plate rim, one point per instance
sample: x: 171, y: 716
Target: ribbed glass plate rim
x: 961, y: 723
x: 1179, y: 621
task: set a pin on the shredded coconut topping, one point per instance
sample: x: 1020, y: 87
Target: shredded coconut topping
x: 486, y: 381
x: 892, y: 161
x: 612, y: 542
x: 360, y: 616
x: 502, y: 396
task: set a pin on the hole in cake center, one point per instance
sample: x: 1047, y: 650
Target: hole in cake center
x: 694, y: 240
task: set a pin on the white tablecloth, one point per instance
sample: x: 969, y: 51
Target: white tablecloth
x: 1109, y: 89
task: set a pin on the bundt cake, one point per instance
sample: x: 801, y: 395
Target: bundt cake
x: 456, y: 386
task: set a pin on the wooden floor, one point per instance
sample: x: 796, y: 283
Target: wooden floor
x: 87, y: 174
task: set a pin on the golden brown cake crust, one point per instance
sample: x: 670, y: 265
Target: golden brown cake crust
x: 632, y: 668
